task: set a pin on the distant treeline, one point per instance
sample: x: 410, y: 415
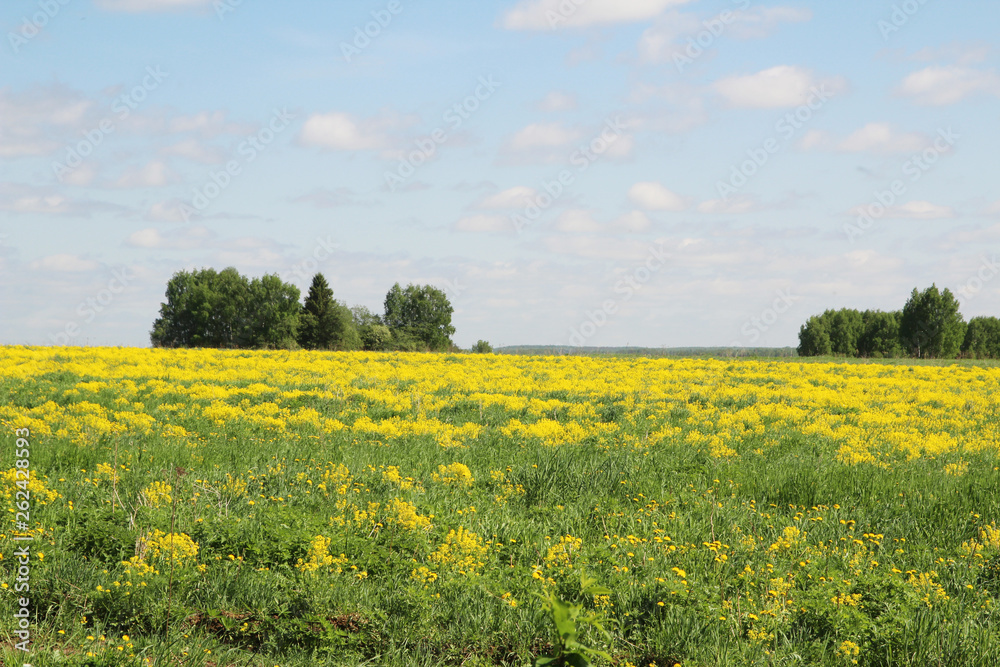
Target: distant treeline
x: 224, y: 309
x: 929, y: 326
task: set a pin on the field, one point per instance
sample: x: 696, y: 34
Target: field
x: 296, y: 508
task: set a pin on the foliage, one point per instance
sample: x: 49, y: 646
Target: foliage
x: 374, y: 335
x: 982, y: 338
x: 571, y: 622
x: 482, y: 347
x: 421, y: 314
x: 814, y: 338
x: 326, y: 323
x: 224, y: 309
x: 931, y: 325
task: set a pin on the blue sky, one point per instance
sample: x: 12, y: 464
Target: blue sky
x: 600, y: 172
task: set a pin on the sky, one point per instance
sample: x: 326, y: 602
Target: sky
x: 569, y: 172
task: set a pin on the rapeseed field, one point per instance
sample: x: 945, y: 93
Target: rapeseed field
x: 206, y: 507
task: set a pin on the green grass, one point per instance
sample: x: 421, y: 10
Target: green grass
x: 252, y: 606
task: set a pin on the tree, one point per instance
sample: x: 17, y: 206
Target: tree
x: 206, y: 308
x: 374, y: 335
x: 931, y: 325
x: 982, y: 338
x: 419, y: 314
x: 880, y: 336
x: 273, y: 313
x: 814, y: 337
x: 326, y: 323
x: 203, y: 309
x: 846, y: 327
x: 482, y: 347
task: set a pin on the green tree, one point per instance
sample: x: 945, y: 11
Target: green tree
x: 326, y: 323
x: 273, y: 313
x: 931, y: 325
x: 982, y: 338
x: 880, y: 336
x: 482, y: 347
x: 374, y: 335
x: 814, y: 337
x: 846, y: 327
x: 419, y: 314
x: 204, y: 308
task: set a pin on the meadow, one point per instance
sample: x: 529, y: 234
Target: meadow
x: 204, y: 507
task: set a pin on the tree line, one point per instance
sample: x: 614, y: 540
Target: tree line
x: 224, y: 309
x: 929, y: 326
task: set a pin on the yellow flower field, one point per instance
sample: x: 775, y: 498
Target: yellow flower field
x: 333, y: 508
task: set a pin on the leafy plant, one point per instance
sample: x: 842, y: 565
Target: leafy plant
x: 571, y: 622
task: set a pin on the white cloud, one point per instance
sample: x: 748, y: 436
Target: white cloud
x: 41, y: 120
x: 553, y: 14
x: 484, y: 223
x: 153, y: 174
x: 939, y: 86
x: 20, y: 198
x: 196, y: 151
x: 777, y: 87
x: 914, y: 210
x: 873, y: 137
x: 541, y: 135
x: 330, y: 198
x: 208, y: 124
x: 653, y: 196
x: 558, y: 101
x: 881, y: 137
x: 344, y: 132
x: 733, y: 206
x: 816, y: 139
x: 516, y: 197
x: 961, y: 52
x: 39, y: 204
x: 339, y: 131
x: 166, y: 211
x: 181, y: 239
x: 576, y: 221
x: 621, y: 147
x: 64, y: 263
x: 673, y: 31
x: 136, y: 6
x: 82, y: 176
x: 662, y: 40
x: 634, y: 221
x: 761, y: 22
